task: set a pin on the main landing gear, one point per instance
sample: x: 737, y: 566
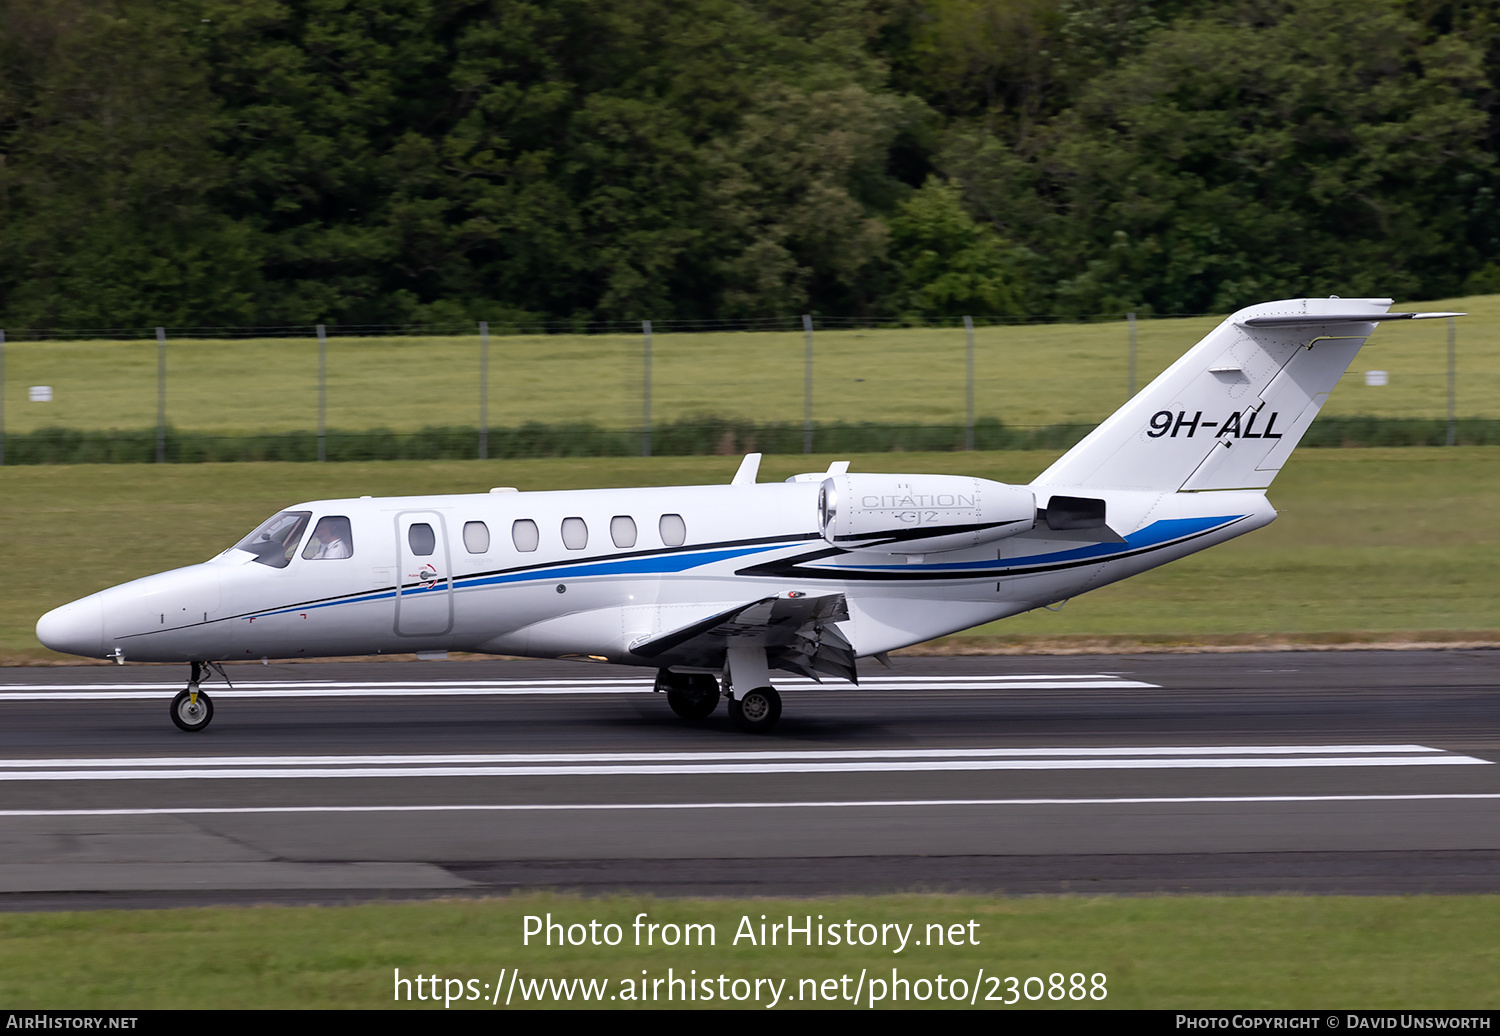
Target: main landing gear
x: 193, y: 709
x: 695, y: 696
x: 690, y: 695
x: 754, y: 705
x: 756, y: 711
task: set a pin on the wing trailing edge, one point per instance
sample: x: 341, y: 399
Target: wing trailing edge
x: 797, y: 631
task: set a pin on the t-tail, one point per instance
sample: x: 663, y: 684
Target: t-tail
x: 1231, y: 410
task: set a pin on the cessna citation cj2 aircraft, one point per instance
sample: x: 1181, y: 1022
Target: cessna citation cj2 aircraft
x: 718, y: 586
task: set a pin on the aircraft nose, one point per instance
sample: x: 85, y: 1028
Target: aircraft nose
x: 74, y: 629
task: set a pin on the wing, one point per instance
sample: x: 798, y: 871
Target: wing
x: 797, y: 631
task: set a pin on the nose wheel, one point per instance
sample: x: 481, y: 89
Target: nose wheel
x: 193, y: 709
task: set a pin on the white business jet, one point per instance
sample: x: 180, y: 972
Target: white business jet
x: 718, y: 586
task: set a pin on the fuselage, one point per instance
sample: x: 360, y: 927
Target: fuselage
x: 590, y: 573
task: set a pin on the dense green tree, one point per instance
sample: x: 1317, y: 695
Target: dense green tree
x: 410, y: 159
x: 107, y: 166
x: 1327, y: 149
x: 195, y: 162
x: 949, y: 265
x: 393, y: 160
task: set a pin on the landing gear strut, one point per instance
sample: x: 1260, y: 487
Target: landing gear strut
x: 690, y: 695
x: 193, y: 709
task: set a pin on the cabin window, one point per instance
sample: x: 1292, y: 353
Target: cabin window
x: 575, y: 533
x: 673, y: 530
x: 622, y: 530
x: 476, y: 537
x: 524, y: 535
x: 276, y: 540
x: 422, y: 539
x: 330, y: 540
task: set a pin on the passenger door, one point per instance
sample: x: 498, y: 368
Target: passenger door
x: 424, y: 591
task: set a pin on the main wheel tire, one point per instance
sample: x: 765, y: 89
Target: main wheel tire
x: 696, y: 697
x: 756, y: 711
x: 191, y: 717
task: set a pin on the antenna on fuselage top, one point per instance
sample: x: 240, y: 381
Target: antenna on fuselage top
x: 749, y: 468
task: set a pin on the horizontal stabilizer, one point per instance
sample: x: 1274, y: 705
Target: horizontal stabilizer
x: 1322, y: 319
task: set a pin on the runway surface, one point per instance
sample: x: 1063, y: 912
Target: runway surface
x: 1353, y: 772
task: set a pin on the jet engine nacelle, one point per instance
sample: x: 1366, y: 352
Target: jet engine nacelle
x: 920, y: 514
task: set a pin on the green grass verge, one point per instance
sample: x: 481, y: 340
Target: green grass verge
x: 1026, y: 376
x: 1381, y: 540
x: 1369, y: 952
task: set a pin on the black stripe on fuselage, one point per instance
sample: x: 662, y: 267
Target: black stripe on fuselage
x: 790, y: 567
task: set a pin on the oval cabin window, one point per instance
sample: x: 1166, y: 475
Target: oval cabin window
x: 575, y: 533
x: 422, y: 539
x: 476, y: 537
x: 524, y: 535
x: 673, y: 530
x: 622, y: 530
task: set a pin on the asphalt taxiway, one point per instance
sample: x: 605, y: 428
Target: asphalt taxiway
x: 1340, y: 771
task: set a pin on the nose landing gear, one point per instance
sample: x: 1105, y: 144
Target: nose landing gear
x: 192, y: 708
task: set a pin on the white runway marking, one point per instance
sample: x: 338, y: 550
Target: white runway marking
x: 654, y: 757
x: 15, y: 693
x: 750, y: 763
x: 529, y: 807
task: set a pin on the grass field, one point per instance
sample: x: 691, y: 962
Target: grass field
x: 1364, y: 952
x: 1391, y: 541
x: 1028, y: 376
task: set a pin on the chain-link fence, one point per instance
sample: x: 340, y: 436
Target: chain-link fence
x: 801, y: 384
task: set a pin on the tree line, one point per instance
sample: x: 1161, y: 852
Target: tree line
x: 256, y: 162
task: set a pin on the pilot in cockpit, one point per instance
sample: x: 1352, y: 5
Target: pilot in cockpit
x: 331, y: 539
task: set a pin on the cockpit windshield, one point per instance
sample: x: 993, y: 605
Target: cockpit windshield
x: 276, y: 540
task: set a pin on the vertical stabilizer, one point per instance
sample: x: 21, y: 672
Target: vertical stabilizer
x: 1230, y: 411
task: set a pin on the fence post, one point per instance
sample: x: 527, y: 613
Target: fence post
x: 2, y: 398
x: 1452, y: 382
x: 161, y: 395
x: 322, y: 394
x: 484, y: 390
x: 969, y: 383
x: 646, y: 389
x: 807, y: 384
x: 1130, y: 317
